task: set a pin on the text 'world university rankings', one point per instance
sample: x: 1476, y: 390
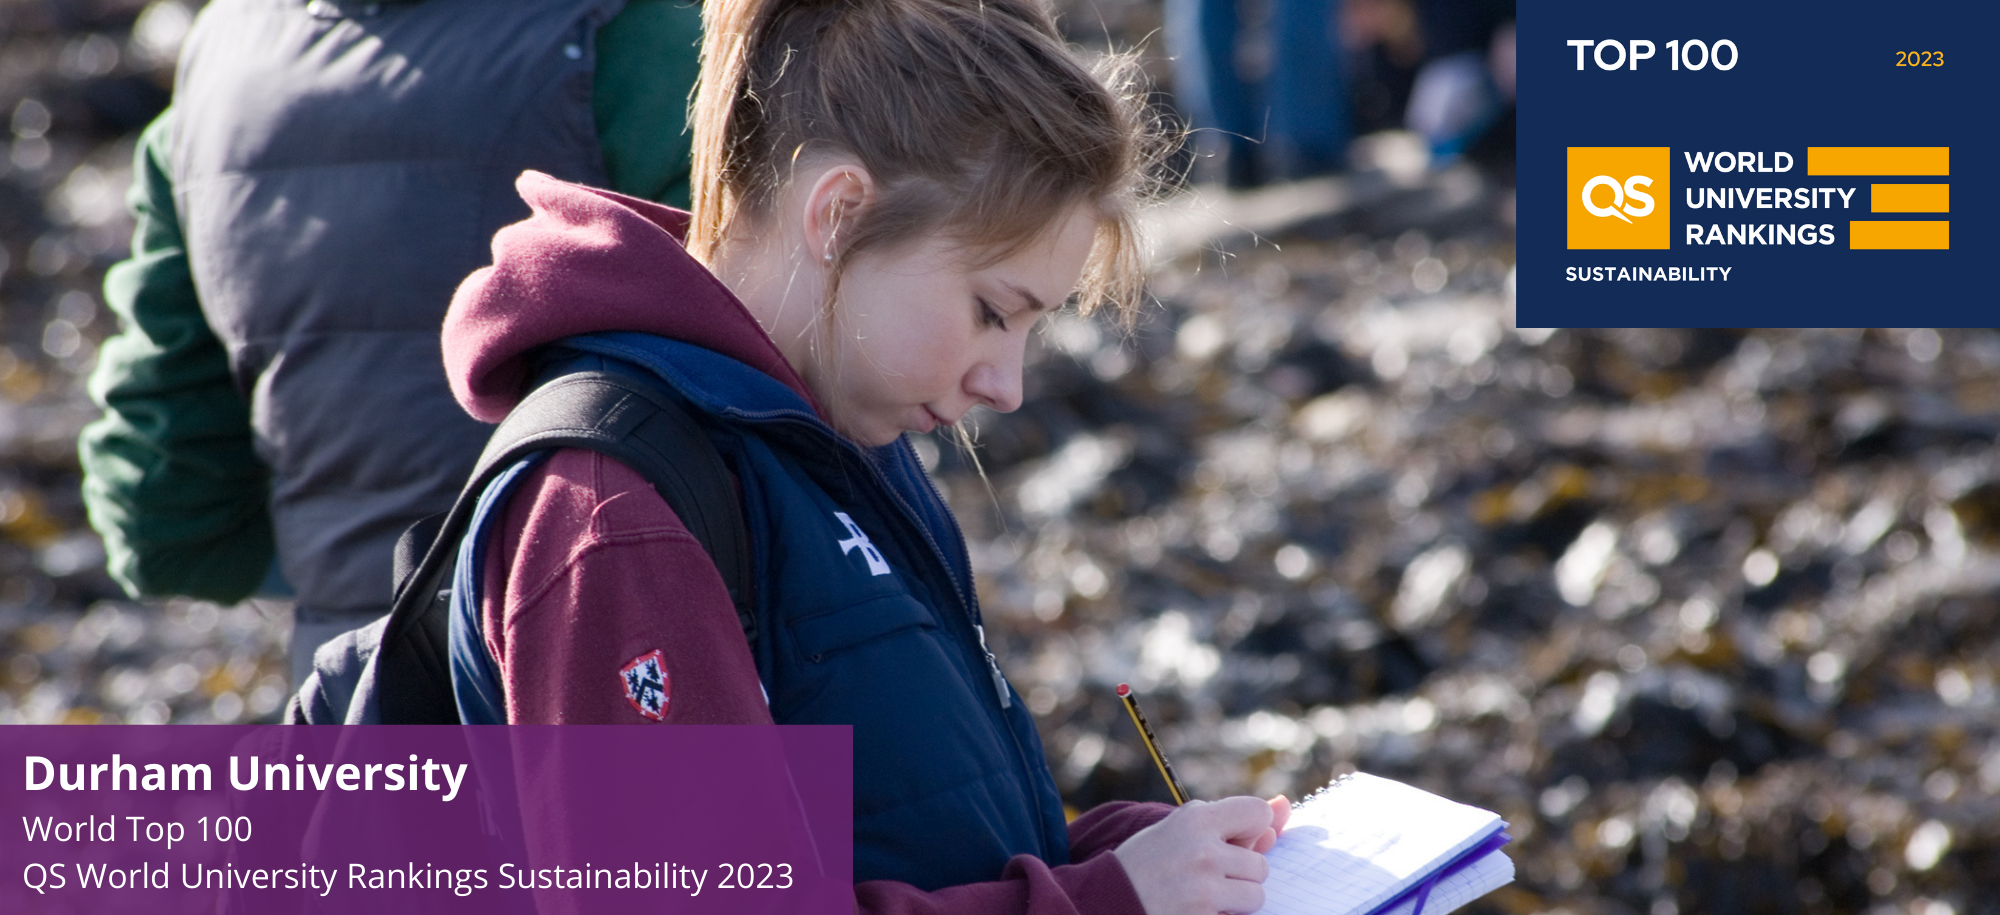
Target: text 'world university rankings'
x: 1787, y: 163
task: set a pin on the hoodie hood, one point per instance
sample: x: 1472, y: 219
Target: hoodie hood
x: 586, y: 261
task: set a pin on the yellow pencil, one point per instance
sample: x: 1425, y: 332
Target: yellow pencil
x: 1152, y: 745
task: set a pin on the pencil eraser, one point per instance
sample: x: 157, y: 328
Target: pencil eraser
x: 1124, y: 689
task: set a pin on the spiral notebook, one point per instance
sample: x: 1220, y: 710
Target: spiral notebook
x: 1366, y: 845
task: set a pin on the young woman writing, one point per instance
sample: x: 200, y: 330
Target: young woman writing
x: 887, y: 195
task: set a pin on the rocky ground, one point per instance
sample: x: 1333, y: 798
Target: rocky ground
x: 1708, y: 615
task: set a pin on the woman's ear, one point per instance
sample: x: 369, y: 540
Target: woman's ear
x: 842, y: 192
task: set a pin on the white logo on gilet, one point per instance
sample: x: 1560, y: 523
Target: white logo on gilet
x: 876, y: 564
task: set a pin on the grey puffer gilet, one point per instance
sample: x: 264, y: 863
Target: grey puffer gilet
x: 338, y: 168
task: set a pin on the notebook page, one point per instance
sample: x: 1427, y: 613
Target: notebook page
x: 1355, y: 845
x: 1483, y: 876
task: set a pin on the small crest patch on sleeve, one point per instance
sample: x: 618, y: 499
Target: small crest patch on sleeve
x: 646, y: 684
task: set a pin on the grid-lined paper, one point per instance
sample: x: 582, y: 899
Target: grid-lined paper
x: 1361, y: 841
x: 1483, y: 876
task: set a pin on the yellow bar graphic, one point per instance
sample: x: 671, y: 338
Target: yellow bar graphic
x: 1878, y: 160
x: 1890, y: 234
x: 1909, y: 198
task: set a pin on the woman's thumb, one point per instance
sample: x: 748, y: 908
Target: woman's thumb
x: 1281, y: 810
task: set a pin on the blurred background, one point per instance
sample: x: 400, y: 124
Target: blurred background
x: 1708, y: 615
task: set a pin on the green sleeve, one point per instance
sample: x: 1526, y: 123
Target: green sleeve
x: 647, y: 61
x: 170, y: 476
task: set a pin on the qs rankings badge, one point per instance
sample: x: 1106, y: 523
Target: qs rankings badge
x: 1670, y: 171
x: 1620, y: 197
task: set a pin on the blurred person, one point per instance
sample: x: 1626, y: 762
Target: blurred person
x: 327, y: 173
x: 1384, y: 47
x: 1280, y: 118
x: 1465, y: 87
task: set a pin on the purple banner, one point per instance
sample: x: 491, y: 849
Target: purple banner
x: 497, y: 820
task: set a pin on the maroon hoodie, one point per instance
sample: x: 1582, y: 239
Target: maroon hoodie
x: 592, y: 570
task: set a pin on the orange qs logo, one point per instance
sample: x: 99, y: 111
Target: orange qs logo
x: 1618, y: 197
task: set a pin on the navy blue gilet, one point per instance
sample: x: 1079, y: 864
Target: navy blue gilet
x: 869, y: 620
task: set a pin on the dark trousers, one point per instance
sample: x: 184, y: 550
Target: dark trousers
x: 1292, y: 122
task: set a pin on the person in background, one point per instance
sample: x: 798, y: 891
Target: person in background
x: 327, y: 173
x: 1384, y: 46
x: 1464, y: 93
x: 1277, y: 115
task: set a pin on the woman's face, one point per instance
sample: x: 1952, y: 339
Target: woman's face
x: 920, y: 336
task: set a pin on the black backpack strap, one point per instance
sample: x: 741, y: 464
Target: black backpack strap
x: 672, y: 452
x: 637, y: 422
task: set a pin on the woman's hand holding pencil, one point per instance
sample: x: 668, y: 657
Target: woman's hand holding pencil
x: 1207, y: 857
